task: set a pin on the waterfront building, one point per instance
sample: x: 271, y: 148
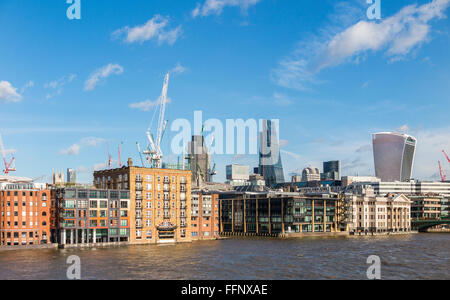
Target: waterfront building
x: 270, y: 165
x: 393, y: 156
x: 445, y: 207
x: 331, y: 170
x: 204, y: 215
x: 372, y: 213
x: 425, y: 207
x: 310, y: 174
x: 160, y: 201
x: 280, y: 213
x: 24, y: 212
x: 85, y: 216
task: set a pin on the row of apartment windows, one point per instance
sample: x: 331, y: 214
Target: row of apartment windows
x: 16, y: 193
x: 24, y: 214
x: 24, y: 224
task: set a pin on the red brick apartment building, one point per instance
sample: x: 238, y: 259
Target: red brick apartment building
x: 24, y: 214
x: 204, y: 215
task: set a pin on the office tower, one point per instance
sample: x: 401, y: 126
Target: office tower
x: 238, y: 175
x: 199, y: 160
x: 332, y: 170
x: 71, y: 176
x: 310, y: 174
x: 393, y: 156
x: 270, y: 166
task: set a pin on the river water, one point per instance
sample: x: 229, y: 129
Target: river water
x: 416, y: 256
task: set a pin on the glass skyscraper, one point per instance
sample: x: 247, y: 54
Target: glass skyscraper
x: 393, y: 156
x: 270, y: 166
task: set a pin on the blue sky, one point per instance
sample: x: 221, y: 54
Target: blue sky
x: 331, y: 76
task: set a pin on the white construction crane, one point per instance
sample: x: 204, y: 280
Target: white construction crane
x: 153, y: 153
x: 9, y: 167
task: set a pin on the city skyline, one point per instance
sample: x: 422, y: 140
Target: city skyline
x: 68, y: 86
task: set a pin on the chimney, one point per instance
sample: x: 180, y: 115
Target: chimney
x: 130, y: 162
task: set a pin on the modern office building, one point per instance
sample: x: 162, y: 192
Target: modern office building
x: 393, y: 156
x: 285, y: 214
x: 160, y: 209
x: 204, y: 215
x: 89, y: 216
x: 237, y: 175
x: 270, y: 165
x: 24, y: 213
x: 373, y: 213
x: 199, y: 160
x: 331, y: 170
x: 310, y: 174
x: 71, y: 176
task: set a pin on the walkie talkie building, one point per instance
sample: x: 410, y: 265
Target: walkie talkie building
x: 393, y: 156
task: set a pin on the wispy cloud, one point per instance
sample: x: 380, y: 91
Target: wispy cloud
x: 28, y: 85
x: 8, y: 93
x: 56, y: 87
x: 282, y: 99
x: 84, y: 142
x: 396, y: 36
x: 102, y: 73
x: 210, y: 7
x: 147, y: 105
x: 155, y: 29
x: 72, y: 150
x: 178, y: 69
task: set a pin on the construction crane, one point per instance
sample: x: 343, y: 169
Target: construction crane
x: 109, y: 156
x: 140, y: 153
x: 120, y: 150
x: 446, y: 156
x: 441, y: 172
x: 211, y: 171
x: 153, y: 152
x: 9, y: 167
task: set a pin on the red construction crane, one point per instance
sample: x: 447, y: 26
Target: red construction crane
x: 446, y: 156
x: 443, y: 176
x: 8, y: 166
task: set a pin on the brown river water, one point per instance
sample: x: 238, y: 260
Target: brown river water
x: 416, y: 256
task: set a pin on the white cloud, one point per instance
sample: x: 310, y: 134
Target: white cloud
x: 85, y: 142
x: 404, y: 128
x: 396, y: 36
x: 72, y: 150
x: 216, y: 6
x: 8, y: 93
x: 101, y: 73
x: 56, y: 86
x: 147, y: 105
x: 178, y: 69
x: 155, y: 28
x: 92, y: 141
